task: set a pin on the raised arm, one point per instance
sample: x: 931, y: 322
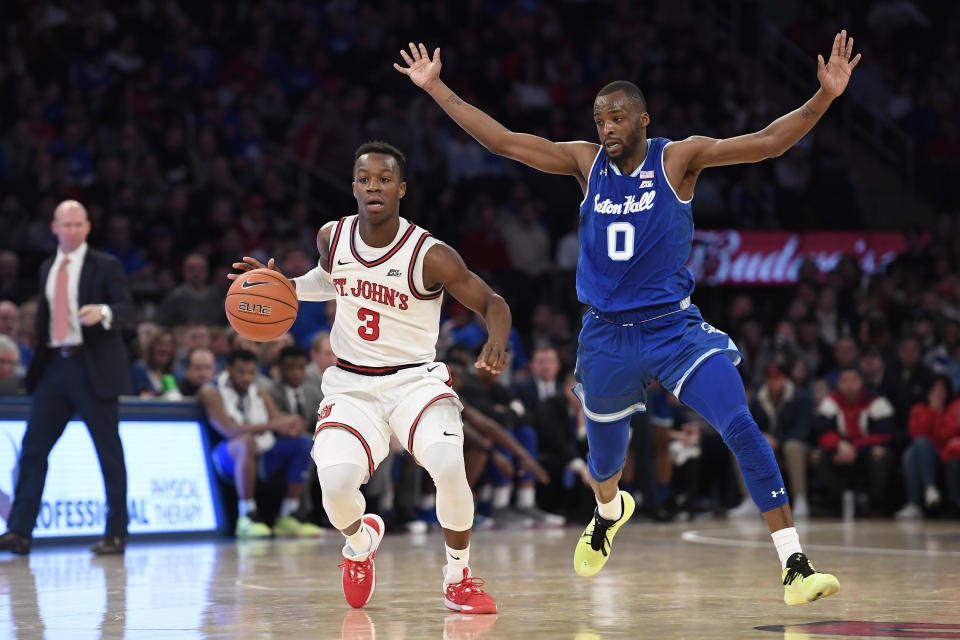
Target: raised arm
x: 685, y: 159
x: 567, y: 158
x: 442, y: 266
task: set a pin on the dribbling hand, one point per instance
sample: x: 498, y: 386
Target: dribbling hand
x: 249, y: 264
x: 421, y: 69
x: 835, y: 74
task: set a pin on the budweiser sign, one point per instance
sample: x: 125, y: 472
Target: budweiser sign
x: 774, y: 257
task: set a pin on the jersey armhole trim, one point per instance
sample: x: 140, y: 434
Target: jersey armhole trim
x: 667, y: 179
x: 592, y: 167
x: 430, y: 295
x: 333, y: 244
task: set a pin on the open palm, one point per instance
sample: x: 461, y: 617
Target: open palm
x: 835, y: 74
x: 421, y: 69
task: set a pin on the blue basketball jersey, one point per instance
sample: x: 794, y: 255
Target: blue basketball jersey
x: 635, y: 236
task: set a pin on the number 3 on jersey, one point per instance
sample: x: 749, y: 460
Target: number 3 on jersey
x: 615, y: 249
x: 370, y: 330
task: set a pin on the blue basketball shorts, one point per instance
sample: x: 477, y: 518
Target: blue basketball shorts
x: 620, y: 353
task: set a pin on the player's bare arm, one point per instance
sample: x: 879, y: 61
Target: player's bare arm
x: 442, y: 266
x: 684, y: 160
x: 566, y: 158
x: 323, y: 244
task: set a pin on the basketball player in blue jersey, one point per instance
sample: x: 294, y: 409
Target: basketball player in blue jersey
x: 636, y: 231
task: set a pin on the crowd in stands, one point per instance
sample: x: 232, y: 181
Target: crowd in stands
x: 183, y: 127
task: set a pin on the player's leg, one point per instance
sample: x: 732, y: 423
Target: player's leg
x: 435, y: 438
x: 292, y: 456
x: 716, y: 392
x: 612, y: 380
x: 347, y: 447
x: 607, y: 442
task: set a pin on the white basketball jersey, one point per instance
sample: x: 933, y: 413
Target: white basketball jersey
x: 385, y: 316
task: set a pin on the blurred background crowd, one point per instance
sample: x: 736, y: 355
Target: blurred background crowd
x: 196, y: 133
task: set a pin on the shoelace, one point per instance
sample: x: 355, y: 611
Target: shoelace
x: 801, y: 568
x: 358, y: 572
x: 598, y: 538
x: 467, y: 586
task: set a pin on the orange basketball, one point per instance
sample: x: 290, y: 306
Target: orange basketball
x: 261, y: 305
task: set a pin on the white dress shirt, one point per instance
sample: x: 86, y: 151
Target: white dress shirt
x: 74, y: 334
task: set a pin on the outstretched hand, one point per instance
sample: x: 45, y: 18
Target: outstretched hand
x: 249, y: 264
x: 420, y: 68
x: 835, y: 74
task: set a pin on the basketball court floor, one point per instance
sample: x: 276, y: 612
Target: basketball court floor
x: 705, y: 580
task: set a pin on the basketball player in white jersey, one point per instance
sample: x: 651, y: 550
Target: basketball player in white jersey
x: 388, y: 276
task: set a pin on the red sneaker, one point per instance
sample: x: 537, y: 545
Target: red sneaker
x: 466, y: 596
x: 359, y: 576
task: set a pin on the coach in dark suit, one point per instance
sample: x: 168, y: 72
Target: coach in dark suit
x: 80, y: 366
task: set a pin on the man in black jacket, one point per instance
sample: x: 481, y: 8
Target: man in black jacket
x: 80, y: 366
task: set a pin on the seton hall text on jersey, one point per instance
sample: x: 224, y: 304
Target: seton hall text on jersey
x: 630, y: 204
x: 373, y: 291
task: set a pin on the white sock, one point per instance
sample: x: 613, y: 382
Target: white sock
x: 610, y: 510
x: 289, y: 506
x: 246, y: 507
x: 360, y: 541
x: 526, y: 498
x: 457, y: 560
x: 787, y: 542
x: 501, y: 497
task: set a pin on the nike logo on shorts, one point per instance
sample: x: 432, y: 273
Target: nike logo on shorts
x: 452, y: 435
x: 429, y: 369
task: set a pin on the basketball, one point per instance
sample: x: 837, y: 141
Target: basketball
x: 261, y: 305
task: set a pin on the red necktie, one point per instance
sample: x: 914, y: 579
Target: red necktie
x: 61, y: 310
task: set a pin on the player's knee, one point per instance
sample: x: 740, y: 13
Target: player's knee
x: 444, y: 462
x: 740, y: 431
x: 743, y: 437
x: 340, y: 481
x: 604, y: 466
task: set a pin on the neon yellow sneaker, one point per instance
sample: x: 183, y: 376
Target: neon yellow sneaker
x: 248, y: 527
x: 593, y: 548
x: 802, y: 583
x: 290, y: 527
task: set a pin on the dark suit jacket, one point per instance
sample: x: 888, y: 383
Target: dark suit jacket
x: 102, y: 281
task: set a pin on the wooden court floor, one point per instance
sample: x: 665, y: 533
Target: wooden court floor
x: 698, y: 580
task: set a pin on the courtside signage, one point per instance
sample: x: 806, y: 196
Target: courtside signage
x: 168, y: 479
